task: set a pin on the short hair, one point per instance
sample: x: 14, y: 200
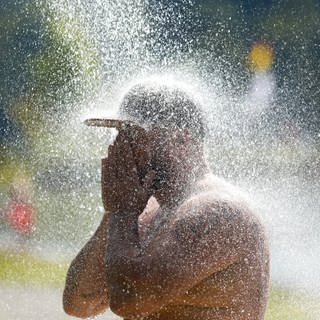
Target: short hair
x: 165, y: 106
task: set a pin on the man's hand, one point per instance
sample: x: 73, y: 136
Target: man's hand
x: 122, y: 188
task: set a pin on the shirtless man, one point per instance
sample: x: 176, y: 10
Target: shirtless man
x: 176, y: 242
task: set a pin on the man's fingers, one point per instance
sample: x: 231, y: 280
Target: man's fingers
x: 107, y: 169
x: 125, y: 152
x: 148, y: 180
x: 108, y: 173
x: 110, y: 150
x: 125, y: 165
x: 123, y: 162
x: 104, y: 164
x: 122, y: 138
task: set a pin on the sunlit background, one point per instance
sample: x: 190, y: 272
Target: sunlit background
x: 252, y: 65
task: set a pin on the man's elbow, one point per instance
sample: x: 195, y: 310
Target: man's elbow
x: 83, y: 307
x: 73, y: 308
x: 132, y: 304
x: 128, y: 310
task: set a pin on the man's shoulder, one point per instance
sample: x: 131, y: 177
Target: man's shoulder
x: 206, y: 206
x: 217, y: 201
x: 207, y: 216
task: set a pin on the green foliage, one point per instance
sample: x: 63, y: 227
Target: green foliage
x: 292, y: 22
x: 23, y: 268
x: 9, y: 170
x: 68, y: 68
x: 287, y: 305
x: 224, y: 42
x: 63, y: 71
x: 28, y: 112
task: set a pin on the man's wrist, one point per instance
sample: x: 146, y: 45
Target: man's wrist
x: 124, y: 224
x: 127, y: 214
x: 130, y: 209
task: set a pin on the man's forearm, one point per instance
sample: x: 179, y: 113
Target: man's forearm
x: 123, y: 227
x: 85, y: 292
x: 123, y: 245
x: 133, y: 281
x: 122, y: 260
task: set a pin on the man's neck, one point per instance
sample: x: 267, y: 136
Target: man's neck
x: 172, y: 199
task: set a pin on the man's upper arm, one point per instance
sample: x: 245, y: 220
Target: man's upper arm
x: 203, y: 239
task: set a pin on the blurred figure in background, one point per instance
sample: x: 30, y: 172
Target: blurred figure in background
x: 262, y: 86
x: 20, y: 213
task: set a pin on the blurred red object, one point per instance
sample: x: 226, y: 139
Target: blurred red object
x: 21, y: 217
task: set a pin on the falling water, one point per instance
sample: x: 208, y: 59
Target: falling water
x: 127, y: 41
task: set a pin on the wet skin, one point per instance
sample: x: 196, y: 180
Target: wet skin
x: 202, y: 253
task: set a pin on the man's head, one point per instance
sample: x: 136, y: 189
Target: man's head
x: 161, y: 106
x: 174, y: 135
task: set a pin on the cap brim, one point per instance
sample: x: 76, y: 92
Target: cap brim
x: 109, y: 123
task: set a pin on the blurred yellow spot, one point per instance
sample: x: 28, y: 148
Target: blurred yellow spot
x: 260, y: 56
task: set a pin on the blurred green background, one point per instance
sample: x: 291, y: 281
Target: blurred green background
x: 59, y: 60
